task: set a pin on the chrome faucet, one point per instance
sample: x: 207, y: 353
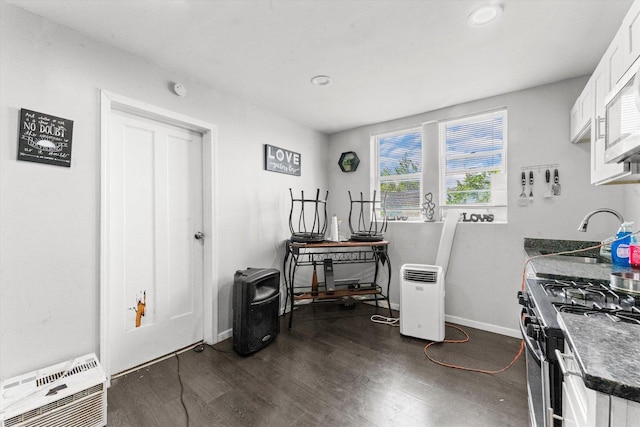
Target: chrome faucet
x: 583, y: 225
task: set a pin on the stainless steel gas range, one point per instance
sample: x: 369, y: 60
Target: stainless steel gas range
x: 542, y: 299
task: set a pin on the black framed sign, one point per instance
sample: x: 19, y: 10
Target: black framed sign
x: 44, y: 138
x: 278, y: 159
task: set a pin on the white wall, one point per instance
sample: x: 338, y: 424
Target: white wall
x: 487, y: 259
x: 49, y: 215
x: 632, y: 204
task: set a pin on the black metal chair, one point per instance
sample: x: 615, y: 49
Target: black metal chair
x: 369, y: 228
x: 308, y: 211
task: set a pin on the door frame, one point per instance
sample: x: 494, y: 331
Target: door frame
x: 110, y: 102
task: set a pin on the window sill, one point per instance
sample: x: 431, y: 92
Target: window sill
x: 441, y: 221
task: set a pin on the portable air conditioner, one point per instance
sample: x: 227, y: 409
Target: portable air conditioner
x: 422, y: 301
x: 69, y: 394
x: 422, y: 289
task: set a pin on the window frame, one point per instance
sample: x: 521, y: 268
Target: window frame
x: 484, y: 207
x: 377, y: 180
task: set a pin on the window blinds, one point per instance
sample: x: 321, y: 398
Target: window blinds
x: 400, y: 171
x: 473, y: 149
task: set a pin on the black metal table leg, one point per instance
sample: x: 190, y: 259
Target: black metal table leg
x: 296, y: 255
x: 386, y: 256
x: 291, y: 275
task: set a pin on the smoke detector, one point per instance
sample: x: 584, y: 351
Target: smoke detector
x: 180, y: 90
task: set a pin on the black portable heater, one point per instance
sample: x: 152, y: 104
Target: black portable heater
x: 256, y: 305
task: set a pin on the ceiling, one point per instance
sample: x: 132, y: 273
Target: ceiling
x: 387, y: 58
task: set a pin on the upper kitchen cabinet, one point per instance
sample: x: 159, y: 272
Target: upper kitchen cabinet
x: 581, y: 115
x: 601, y: 83
x: 622, y: 52
x: 631, y: 34
x: 616, y: 58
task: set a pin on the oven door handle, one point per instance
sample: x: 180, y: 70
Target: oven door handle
x: 528, y: 341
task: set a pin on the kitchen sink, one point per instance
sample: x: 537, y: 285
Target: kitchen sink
x: 576, y: 257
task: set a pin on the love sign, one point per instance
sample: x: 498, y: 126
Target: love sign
x: 477, y: 217
x: 278, y: 159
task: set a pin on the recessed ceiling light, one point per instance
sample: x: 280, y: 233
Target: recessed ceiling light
x: 484, y: 15
x: 321, y: 80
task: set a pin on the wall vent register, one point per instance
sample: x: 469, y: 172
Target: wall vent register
x: 72, y: 393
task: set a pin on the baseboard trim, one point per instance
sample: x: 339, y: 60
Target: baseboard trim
x: 514, y: 333
x: 383, y: 304
x: 225, y: 334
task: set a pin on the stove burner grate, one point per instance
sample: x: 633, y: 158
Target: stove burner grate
x: 616, y: 314
x: 591, y: 299
x: 585, y: 291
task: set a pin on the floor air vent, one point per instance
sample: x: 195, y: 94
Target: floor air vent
x: 69, y: 394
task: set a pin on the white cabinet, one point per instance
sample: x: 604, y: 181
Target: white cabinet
x: 622, y: 52
x: 615, y: 59
x: 630, y: 32
x: 624, y: 412
x: 601, y: 172
x: 584, y: 407
x: 581, y: 406
x: 581, y: 116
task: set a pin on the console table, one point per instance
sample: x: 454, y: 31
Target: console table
x: 350, y: 252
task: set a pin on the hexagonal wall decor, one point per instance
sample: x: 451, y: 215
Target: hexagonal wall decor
x: 349, y: 161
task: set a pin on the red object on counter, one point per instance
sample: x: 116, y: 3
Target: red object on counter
x: 634, y: 255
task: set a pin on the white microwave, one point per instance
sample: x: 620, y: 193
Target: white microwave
x: 622, y: 137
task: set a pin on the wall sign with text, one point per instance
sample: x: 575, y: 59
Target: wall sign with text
x: 280, y: 160
x: 474, y: 217
x: 44, y: 138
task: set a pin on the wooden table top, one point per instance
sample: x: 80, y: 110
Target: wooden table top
x: 344, y: 244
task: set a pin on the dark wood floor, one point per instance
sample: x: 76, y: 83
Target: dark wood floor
x: 334, y: 368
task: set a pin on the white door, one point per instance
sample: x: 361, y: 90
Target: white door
x: 155, y: 262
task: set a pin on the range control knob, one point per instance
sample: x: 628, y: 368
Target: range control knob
x: 530, y: 320
x: 533, y: 331
x: 522, y: 298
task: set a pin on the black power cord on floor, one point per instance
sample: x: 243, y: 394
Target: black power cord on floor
x: 186, y: 411
x: 199, y: 348
x: 218, y: 350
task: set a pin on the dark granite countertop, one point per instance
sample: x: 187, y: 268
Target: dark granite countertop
x: 567, y: 268
x: 607, y: 353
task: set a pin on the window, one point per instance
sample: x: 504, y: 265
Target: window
x: 473, y: 160
x: 399, y: 173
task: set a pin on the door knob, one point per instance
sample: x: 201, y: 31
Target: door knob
x: 199, y: 235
